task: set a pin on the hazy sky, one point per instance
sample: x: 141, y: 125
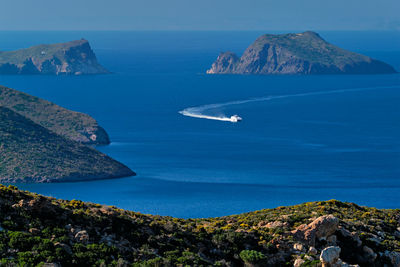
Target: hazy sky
x: 200, y: 15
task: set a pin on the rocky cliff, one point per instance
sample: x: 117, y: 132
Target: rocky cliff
x: 32, y: 153
x: 70, y: 124
x: 71, y: 58
x: 38, y: 230
x: 302, y: 53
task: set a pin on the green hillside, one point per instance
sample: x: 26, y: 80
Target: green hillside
x: 310, y: 47
x: 35, y: 230
x: 32, y: 153
x: 70, y: 124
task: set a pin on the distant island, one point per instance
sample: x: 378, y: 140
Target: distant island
x: 301, y: 53
x: 37, y: 230
x: 73, y: 125
x: 71, y: 58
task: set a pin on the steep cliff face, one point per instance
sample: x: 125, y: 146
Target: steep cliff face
x: 70, y: 124
x: 32, y: 153
x: 71, y: 58
x: 303, y: 53
x: 226, y: 63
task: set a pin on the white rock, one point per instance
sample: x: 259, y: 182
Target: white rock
x: 298, y: 246
x: 298, y: 262
x: 308, y: 257
x: 329, y: 255
x: 312, y: 251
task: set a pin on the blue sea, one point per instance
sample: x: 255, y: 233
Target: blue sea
x: 315, y: 138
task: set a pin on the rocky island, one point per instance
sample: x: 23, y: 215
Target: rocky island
x: 301, y: 53
x: 73, y: 125
x: 71, y: 58
x: 38, y: 230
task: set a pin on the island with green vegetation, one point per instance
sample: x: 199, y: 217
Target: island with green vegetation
x: 70, y: 124
x: 35, y: 229
x: 296, y: 53
x: 30, y: 152
x: 70, y: 58
x: 43, y: 142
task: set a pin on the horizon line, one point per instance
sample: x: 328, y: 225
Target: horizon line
x: 199, y: 30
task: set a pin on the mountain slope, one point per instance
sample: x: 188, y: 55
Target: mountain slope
x: 70, y: 124
x: 75, y: 57
x: 302, y: 53
x: 38, y: 229
x: 31, y: 153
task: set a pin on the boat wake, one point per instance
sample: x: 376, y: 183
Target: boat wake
x: 201, y: 111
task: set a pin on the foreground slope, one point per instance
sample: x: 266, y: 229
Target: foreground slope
x: 41, y: 229
x: 70, y: 124
x: 32, y: 153
x: 70, y: 58
x: 302, y: 53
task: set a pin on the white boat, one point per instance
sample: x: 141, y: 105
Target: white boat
x: 235, y: 118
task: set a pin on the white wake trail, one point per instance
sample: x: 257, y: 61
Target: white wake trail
x: 190, y: 113
x: 198, y: 112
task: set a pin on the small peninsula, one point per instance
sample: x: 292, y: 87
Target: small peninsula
x: 301, y: 53
x: 32, y: 153
x: 38, y: 230
x: 70, y: 58
x: 73, y: 125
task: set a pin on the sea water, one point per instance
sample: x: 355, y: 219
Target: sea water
x: 306, y: 138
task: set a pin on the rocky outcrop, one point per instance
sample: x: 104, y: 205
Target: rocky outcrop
x: 337, y: 244
x: 273, y: 225
x: 321, y: 228
x: 302, y: 53
x: 329, y: 256
x: 71, y: 58
x: 226, y: 63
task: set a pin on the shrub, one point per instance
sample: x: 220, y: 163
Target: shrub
x: 252, y: 256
